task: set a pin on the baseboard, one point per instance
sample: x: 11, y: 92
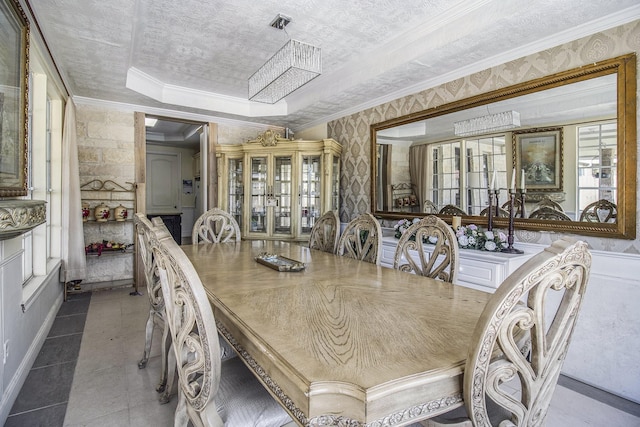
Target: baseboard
x: 603, y: 396
x: 15, y: 385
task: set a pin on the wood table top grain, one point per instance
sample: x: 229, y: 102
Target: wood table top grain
x: 342, y: 340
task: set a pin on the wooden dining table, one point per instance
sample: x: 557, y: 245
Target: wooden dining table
x: 341, y: 342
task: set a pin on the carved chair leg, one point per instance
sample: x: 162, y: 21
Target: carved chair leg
x: 166, y: 350
x: 181, y: 418
x: 172, y: 373
x: 147, y: 342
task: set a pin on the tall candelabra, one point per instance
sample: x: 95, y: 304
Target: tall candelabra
x: 490, y: 211
x: 510, y: 249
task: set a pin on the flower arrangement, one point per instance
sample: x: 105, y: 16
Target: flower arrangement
x: 469, y: 236
x: 403, y: 225
x: 472, y: 237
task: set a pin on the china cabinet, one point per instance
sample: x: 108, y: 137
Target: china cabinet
x: 277, y: 188
x: 107, y: 214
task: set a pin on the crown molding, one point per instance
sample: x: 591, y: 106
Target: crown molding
x: 163, y: 112
x: 607, y: 22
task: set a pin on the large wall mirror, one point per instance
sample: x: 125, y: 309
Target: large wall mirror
x: 568, y: 140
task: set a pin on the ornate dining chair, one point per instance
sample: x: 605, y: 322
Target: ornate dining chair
x: 548, y: 213
x: 144, y: 230
x: 547, y: 202
x: 452, y: 210
x: 429, y: 207
x: 600, y: 211
x: 517, y: 207
x: 215, y: 226
x: 362, y: 239
x: 211, y: 392
x: 325, y: 233
x: 441, y: 263
x: 502, y: 213
x: 552, y: 285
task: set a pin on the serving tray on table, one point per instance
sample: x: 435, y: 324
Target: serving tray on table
x: 280, y: 263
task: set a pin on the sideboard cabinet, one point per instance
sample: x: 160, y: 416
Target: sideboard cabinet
x: 277, y: 188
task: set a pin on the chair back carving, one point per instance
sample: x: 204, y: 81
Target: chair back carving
x: 429, y: 207
x: 547, y: 202
x: 526, y: 302
x: 600, y: 211
x: 502, y: 213
x: 144, y: 230
x: 215, y: 226
x: 517, y: 207
x: 193, y: 331
x: 452, y: 210
x: 325, y: 233
x: 548, y: 213
x: 431, y: 232
x: 362, y: 239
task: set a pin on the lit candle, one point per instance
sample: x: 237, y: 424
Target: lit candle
x: 513, y: 180
x: 493, y: 181
x: 522, y: 180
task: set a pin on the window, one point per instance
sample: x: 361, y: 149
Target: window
x: 41, y: 246
x: 597, y: 163
x: 463, y: 182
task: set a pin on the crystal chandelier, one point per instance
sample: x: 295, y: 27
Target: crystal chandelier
x: 294, y: 65
x: 486, y: 124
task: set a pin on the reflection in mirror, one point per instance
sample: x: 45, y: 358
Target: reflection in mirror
x: 559, y: 149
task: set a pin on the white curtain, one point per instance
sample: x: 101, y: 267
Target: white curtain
x: 419, y: 172
x: 74, y: 263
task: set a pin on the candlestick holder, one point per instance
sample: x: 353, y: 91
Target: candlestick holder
x: 510, y: 249
x: 496, y: 212
x: 490, y: 212
x: 522, y: 198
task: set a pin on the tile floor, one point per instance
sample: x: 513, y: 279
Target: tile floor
x: 107, y: 388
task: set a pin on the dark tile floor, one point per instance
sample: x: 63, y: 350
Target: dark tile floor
x: 42, y: 401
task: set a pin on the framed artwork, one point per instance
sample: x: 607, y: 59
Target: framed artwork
x: 14, y: 45
x: 537, y: 156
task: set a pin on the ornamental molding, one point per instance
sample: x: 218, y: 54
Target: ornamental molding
x: 20, y: 216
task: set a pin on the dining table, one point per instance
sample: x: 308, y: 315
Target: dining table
x: 338, y: 341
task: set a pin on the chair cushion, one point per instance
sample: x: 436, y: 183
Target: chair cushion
x: 242, y: 401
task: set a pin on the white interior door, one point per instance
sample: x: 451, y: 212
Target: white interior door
x: 163, y: 183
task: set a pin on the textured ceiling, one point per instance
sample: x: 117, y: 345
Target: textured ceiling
x: 372, y: 51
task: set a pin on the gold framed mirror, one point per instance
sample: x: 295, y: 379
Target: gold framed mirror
x: 14, y: 76
x: 569, y: 137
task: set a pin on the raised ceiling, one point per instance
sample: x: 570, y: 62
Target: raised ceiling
x: 195, y: 56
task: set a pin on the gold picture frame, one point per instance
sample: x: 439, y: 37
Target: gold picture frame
x: 537, y: 156
x: 14, y: 58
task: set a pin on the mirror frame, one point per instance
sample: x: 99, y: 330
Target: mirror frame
x: 14, y: 183
x: 625, y: 68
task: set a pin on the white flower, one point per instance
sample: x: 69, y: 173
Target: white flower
x: 463, y: 240
x: 502, y: 236
x: 488, y: 235
x: 415, y: 220
x: 472, y: 240
x: 433, y: 239
x: 489, y: 245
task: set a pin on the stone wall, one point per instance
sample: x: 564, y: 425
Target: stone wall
x: 106, y: 152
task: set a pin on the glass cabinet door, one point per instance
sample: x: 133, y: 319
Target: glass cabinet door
x: 236, y: 190
x: 282, y: 194
x: 258, y: 194
x: 335, y: 183
x: 310, y: 193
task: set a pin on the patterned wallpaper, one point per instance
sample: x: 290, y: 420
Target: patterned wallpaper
x: 353, y: 131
